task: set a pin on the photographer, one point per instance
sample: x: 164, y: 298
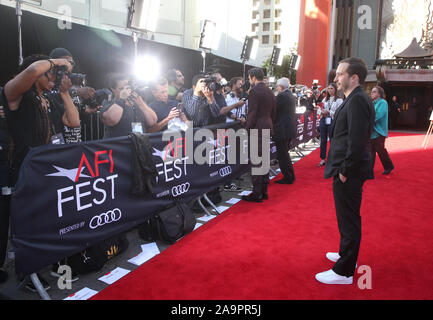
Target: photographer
x: 238, y: 101
x: 238, y: 113
x: 127, y: 112
x: 308, y: 100
x: 199, y: 102
x: 32, y: 120
x: 220, y: 97
x: 175, y: 86
x: 165, y: 108
x: 79, y: 94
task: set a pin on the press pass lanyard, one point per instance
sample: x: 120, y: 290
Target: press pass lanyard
x: 137, y: 127
x: 56, y: 138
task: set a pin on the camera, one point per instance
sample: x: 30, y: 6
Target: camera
x: 77, y: 79
x: 98, y: 98
x: 211, y: 83
x: 143, y: 91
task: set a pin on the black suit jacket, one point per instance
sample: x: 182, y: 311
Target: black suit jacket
x: 349, y: 153
x: 285, y: 120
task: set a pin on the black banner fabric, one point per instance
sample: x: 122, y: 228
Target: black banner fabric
x: 307, y: 127
x: 70, y: 197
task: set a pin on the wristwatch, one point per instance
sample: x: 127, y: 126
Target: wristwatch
x: 73, y: 92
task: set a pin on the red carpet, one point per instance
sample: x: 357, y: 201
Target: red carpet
x: 272, y: 251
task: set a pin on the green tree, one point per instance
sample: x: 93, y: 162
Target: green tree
x: 284, y: 70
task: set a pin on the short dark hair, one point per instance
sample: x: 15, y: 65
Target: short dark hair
x: 258, y: 73
x: 161, y: 81
x: 235, y: 80
x: 60, y: 52
x: 172, y: 75
x: 357, y: 66
x: 381, y: 92
x: 115, y: 78
x: 197, y: 77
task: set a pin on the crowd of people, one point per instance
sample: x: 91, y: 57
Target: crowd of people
x: 41, y: 106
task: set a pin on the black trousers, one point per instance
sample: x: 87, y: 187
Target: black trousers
x: 260, y: 185
x: 284, y: 159
x: 348, y: 198
x: 378, y: 146
x: 325, y: 133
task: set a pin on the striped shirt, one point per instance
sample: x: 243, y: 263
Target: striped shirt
x: 198, y: 109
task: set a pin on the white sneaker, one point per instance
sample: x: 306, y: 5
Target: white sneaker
x: 330, y: 277
x: 334, y: 256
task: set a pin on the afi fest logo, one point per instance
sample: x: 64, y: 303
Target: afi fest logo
x: 88, y: 190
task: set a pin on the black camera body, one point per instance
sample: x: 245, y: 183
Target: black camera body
x: 211, y: 83
x: 77, y: 79
x: 98, y: 98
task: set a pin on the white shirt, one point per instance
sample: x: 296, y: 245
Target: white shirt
x: 239, y: 112
x: 332, y: 105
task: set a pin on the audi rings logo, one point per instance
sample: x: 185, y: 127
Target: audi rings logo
x: 105, y: 218
x: 226, y: 171
x: 180, y: 189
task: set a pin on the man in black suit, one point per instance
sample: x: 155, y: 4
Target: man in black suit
x: 349, y: 164
x: 285, y: 129
x: 261, y: 112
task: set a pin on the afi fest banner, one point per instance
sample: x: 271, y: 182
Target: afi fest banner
x: 70, y: 197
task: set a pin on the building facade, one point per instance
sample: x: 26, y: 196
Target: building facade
x: 274, y: 23
x: 179, y: 22
x: 382, y: 32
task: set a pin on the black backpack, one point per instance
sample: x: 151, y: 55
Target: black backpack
x: 94, y: 258
x: 169, y: 225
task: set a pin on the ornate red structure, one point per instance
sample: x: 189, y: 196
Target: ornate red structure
x: 313, y: 46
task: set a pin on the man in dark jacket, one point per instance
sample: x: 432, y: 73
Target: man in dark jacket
x: 349, y: 164
x: 285, y: 129
x: 261, y: 112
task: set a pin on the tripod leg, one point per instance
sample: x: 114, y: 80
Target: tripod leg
x: 427, y: 137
